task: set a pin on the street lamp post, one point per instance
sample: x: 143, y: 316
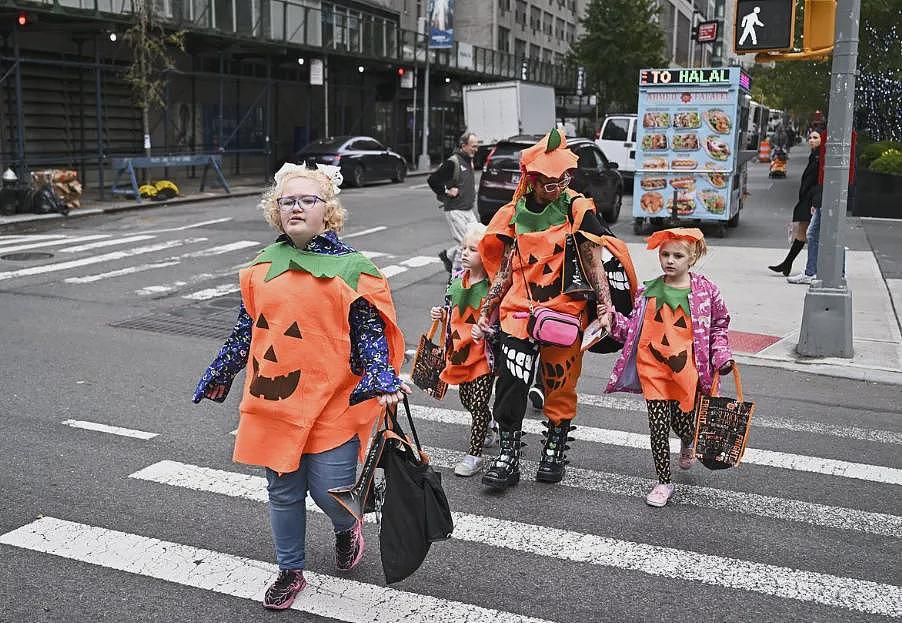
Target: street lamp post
x: 827, y: 317
x: 423, y: 162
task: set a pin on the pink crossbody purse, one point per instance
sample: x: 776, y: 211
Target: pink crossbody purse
x: 547, y: 326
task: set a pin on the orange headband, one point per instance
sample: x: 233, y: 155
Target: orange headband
x: 681, y: 234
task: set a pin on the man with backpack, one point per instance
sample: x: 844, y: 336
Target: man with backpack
x: 454, y: 184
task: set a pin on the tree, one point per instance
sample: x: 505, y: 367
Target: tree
x: 622, y: 37
x: 150, y: 45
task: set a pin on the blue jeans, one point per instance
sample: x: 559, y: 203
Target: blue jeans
x: 288, y: 499
x: 814, y: 236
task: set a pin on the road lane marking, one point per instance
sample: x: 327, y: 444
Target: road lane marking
x: 374, y: 254
x: 212, y: 293
x: 364, y: 232
x: 96, y: 259
x: 113, y: 430
x: 325, y: 596
x: 105, y: 243
x: 769, y: 458
x: 219, y: 250
x: 52, y: 243
x: 5, y: 240
x: 571, y: 546
x: 184, y: 227
x: 420, y: 260
x: 174, y: 286
x: 392, y: 269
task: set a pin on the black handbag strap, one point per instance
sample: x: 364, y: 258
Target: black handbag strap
x: 393, y: 415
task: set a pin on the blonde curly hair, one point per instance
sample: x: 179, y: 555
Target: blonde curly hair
x: 335, y: 214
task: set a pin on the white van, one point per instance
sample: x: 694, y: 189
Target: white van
x: 617, y: 140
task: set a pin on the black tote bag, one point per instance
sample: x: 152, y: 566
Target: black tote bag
x: 415, y: 511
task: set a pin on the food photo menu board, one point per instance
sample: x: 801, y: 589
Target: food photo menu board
x: 686, y: 142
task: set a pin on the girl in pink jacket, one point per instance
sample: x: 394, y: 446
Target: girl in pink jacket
x: 674, y: 340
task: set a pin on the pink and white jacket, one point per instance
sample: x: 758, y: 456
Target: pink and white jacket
x: 710, y: 336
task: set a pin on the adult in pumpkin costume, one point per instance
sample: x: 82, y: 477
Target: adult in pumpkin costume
x: 675, y: 339
x: 524, y: 253
x: 318, y: 325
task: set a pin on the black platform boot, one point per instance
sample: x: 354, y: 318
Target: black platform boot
x: 554, y: 460
x: 504, y: 471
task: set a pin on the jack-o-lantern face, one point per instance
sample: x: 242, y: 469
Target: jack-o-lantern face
x: 275, y: 387
x: 458, y: 357
x: 669, y: 326
x: 552, y: 267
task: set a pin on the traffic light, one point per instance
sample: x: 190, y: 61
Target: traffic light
x: 22, y: 19
x: 819, y: 25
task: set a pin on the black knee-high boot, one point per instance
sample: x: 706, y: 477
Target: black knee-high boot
x: 785, y: 266
x: 554, y: 459
x: 504, y: 471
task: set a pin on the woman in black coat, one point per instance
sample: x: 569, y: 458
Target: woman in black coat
x: 801, y: 213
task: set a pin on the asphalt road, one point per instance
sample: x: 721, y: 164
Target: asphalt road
x: 806, y: 530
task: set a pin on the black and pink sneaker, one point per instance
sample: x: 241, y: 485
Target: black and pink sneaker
x: 281, y: 593
x: 349, y: 547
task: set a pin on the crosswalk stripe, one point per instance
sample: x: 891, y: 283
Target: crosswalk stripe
x: 191, y: 226
x: 769, y: 458
x: 227, y: 574
x: 173, y: 286
x: 52, y: 243
x: 97, y: 259
x: 170, y: 261
x: 5, y: 240
x: 621, y: 403
x: 113, y: 430
x: 371, y: 230
x: 784, y: 582
x: 105, y: 243
x: 212, y: 293
x: 836, y: 517
x: 393, y: 269
x: 420, y: 260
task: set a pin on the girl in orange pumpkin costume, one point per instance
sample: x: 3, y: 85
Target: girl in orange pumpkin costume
x: 465, y: 361
x: 673, y: 341
x: 318, y: 324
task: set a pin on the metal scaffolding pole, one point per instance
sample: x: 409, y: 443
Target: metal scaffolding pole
x: 827, y: 317
x: 20, y: 115
x: 98, y: 107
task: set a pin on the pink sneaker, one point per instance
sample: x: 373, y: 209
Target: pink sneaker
x: 659, y: 495
x: 687, y: 455
x: 281, y: 593
x: 349, y: 547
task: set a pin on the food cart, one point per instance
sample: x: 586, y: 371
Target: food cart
x: 689, y: 169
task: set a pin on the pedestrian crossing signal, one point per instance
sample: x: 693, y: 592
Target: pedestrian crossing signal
x: 819, y: 25
x: 764, y: 25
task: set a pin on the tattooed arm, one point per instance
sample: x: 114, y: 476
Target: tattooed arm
x: 500, y: 285
x: 598, y: 279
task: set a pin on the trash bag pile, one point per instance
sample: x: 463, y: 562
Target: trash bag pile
x: 55, y: 190
x: 160, y: 190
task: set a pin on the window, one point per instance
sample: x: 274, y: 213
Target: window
x: 504, y: 39
x: 519, y: 48
x: 535, y: 52
x: 504, y: 5
x: 549, y: 24
x: 520, y: 16
x: 535, y: 18
x: 571, y: 33
x: 589, y: 158
x: 615, y: 130
x: 369, y: 145
x: 665, y: 18
x: 682, y: 40
x: 546, y: 55
x: 559, y: 29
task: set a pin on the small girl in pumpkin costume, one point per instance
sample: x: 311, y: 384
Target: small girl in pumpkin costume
x: 465, y: 362
x: 674, y: 340
x: 318, y: 324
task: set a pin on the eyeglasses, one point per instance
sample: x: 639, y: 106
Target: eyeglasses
x: 287, y: 204
x: 554, y: 186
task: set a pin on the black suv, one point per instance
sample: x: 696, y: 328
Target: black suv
x: 594, y: 176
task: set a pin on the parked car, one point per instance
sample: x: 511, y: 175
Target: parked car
x: 595, y: 177
x: 617, y: 139
x: 361, y: 158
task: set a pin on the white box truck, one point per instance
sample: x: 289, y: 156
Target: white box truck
x: 500, y: 110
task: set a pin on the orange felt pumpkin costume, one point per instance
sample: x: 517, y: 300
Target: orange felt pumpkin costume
x: 296, y: 394
x: 465, y: 360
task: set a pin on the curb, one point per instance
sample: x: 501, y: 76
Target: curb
x: 850, y: 371
x: 24, y: 219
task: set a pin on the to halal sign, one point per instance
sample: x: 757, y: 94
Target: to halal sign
x: 763, y: 25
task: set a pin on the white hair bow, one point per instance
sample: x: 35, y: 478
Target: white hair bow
x: 330, y: 171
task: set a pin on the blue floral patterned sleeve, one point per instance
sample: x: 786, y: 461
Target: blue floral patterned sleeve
x: 230, y: 360
x: 369, y: 353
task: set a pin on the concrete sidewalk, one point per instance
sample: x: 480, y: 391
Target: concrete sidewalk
x: 243, y: 186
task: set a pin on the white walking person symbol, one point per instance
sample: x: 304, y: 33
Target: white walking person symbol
x: 748, y: 26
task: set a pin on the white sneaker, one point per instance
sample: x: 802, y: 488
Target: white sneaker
x: 469, y: 466
x: 801, y: 278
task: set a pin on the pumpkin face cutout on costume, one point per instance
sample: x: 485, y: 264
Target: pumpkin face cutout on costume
x: 669, y: 327
x: 548, y: 265
x: 458, y: 357
x: 275, y: 387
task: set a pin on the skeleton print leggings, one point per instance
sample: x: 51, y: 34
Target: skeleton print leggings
x: 474, y: 396
x: 662, y: 416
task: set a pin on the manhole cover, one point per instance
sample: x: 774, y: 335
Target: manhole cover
x: 24, y: 256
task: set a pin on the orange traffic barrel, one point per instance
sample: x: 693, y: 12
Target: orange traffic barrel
x: 764, y: 151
